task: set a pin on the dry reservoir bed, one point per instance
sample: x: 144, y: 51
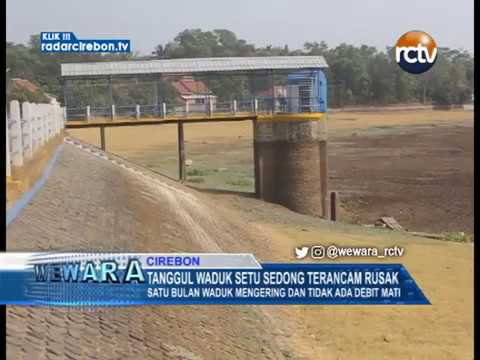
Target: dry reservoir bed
x: 91, y: 203
x: 416, y: 166
x: 422, y: 176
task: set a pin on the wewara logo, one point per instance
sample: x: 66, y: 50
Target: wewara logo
x: 416, y: 52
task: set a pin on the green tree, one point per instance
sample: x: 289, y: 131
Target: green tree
x: 356, y: 74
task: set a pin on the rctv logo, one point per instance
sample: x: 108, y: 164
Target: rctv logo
x: 416, y: 52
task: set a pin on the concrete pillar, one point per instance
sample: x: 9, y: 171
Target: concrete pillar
x: 164, y: 109
x: 9, y: 168
x: 58, y: 119
x: 210, y: 107
x: 34, y: 121
x: 234, y: 107
x: 27, y: 129
x: 43, y: 124
x: 333, y: 206
x: 48, y: 121
x: 63, y: 118
x: 16, y: 134
x: 290, y: 162
x: 103, y: 144
x: 181, y: 153
x: 137, y: 111
x: 54, y: 119
x: 38, y: 126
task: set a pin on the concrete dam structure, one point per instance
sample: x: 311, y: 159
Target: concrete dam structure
x: 285, y: 97
x: 291, y: 158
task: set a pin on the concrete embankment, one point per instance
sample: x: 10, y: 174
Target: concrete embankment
x: 93, y: 203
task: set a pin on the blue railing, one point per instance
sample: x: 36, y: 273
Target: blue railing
x: 258, y: 105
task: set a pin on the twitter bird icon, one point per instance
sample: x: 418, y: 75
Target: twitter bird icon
x: 301, y: 252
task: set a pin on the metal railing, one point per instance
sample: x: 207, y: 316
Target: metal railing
x: 258, y: 105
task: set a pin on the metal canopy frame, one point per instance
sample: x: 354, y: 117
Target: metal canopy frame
x: 252, y: 72
x: 191, y: 66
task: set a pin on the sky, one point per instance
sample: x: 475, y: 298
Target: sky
x: 148, y: 23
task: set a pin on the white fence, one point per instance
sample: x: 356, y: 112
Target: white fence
x: 29, y: 127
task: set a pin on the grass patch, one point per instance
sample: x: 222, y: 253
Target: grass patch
x: 196, y: 180
x: 197, y: 172
x: 240, y: 182
x: 459, y: 237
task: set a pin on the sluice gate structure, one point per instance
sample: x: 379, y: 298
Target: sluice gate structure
x: 285, y: 98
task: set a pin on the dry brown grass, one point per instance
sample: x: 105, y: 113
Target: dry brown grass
x: 442, y: 269
x: 23, y: 178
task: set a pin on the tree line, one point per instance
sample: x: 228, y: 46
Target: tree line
x: 357, y: 75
